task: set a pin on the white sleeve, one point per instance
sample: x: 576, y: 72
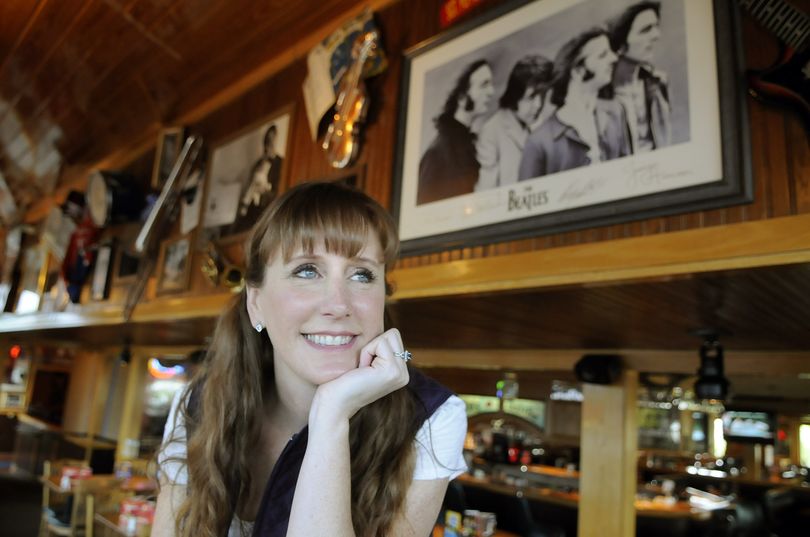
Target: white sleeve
x: 172, y: 453
x: 440, y: 442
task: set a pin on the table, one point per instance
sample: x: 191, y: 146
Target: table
x: 438, y: 531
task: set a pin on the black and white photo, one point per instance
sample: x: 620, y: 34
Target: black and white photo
x: 545, y: 116
x: 170, y: 142
x: 174, y: 266
x: 246, y: 174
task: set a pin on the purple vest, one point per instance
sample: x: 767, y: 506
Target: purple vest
x: 274, y: 513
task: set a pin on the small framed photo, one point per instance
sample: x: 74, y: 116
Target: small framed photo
x: 102, y: 273
x: 125, y: 262
x: 170, y: 142
x: 174, y: 265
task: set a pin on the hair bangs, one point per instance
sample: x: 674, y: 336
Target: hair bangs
x: 335, y: 216
x: 339, y: 232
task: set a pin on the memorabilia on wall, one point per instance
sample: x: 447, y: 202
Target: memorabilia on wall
x: 32, y: 281
x: 100, y: 285
x: 491, y: 148
x: 246, y: 173
x: 220, y: 271
x: 161, y: 212
x: 10, y: 279
x: 191, y: 199
x: 56, y: 232
x: 157, y: 222
x: 329, y: 60
x: 174, y: 266
x: 342, y: 140
x: 8, y: 207
x: 788, y: 79
x: 170, y: 142
x: 81, y: 249
x: 113, y: 197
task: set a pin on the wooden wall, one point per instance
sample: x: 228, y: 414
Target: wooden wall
x: 780, y: 152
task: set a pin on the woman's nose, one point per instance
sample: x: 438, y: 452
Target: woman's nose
x: 337, y: 299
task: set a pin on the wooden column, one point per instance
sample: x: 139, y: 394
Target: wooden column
x: 133, y: 404
x: 609, y: 443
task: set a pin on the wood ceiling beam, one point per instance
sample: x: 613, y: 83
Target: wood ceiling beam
x: 761, y: 363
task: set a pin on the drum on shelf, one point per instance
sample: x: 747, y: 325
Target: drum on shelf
x: 113, y: 197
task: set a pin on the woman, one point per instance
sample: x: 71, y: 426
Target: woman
x: 305, y: 419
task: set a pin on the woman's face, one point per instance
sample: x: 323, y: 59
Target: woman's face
x: 320, y: 309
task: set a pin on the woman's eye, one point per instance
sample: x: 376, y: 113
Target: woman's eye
x: 364, y: 276
x: 306, y: 271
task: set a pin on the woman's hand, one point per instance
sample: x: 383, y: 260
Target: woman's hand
x: 378, y: 374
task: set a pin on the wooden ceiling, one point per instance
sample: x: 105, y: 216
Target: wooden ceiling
x: 83, y: 79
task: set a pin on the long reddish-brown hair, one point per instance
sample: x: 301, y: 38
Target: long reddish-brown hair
x: 239, y: 367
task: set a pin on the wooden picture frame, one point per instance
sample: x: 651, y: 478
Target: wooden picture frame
x: 174, y: 265
x: 704, y: 164
x: 170, y: 142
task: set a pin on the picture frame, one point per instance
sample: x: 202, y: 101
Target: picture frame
x: 174, y: 265
x: 102, y: 271
x: 125, y: 261
x: 34, y: 270
x: 245, y: 173
x: 169, y: 145
x: 703, y: 164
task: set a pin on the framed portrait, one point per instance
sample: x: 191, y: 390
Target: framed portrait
x: 544, y: 117
x: 246, y: 172
x: 170, y: 143
x: 174, y: 265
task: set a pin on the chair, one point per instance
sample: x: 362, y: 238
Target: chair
x: 64, y: 511
x: 106, y: 503
x: 56, y: 503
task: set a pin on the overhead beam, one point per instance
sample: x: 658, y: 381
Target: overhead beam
x: 774, y: 241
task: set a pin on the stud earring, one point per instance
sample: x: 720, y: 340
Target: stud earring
x: 259, y: 327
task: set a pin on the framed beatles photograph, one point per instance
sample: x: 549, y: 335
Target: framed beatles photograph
x: 174, y: 266
x: 246, y: 172
x: 546, y: 116
x: 170, y: 143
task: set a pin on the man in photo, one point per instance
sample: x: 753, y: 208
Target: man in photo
x: 264, y: 180
x: 585, y: 128
x: 449, y: 167
x: 500, y: 143
x: 640, y: 87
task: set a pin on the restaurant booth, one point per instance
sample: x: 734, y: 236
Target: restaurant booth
x: 628, y: 368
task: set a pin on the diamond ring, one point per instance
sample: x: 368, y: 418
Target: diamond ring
x: 405, y: 355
